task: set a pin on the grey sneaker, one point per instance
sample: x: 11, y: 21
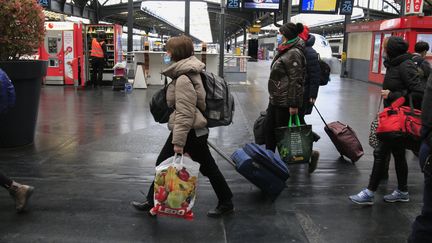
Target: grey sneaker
x: 362, y: 198
x: 397, y: 196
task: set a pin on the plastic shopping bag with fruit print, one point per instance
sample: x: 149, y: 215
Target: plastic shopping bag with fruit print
x: 175, y: 187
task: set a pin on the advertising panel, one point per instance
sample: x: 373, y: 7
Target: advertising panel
x: 413, y: 7
x: 318, y: 6
x: 68, y: 48
x: 270, y: 5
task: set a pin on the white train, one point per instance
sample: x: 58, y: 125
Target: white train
x: 322, y: 46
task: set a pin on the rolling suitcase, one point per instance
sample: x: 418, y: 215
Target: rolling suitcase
x: 261, y: 171
x: 344, y: 138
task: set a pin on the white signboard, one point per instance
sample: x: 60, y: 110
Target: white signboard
x: 68, y: 44
x: 413, y: 6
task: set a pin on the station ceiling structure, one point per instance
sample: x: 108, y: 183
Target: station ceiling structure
x: 236, y: 21
x: 116, y: 11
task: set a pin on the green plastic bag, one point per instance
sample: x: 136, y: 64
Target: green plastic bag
x: 294, y: 143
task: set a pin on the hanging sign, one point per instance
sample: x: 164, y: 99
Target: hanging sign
x: 233, y: 4
x: 44, y: 3
x: 346, y: 7
x: 413, y: 7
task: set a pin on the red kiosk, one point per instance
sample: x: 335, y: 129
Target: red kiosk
x: 63, y: 49
x: 411, y: 28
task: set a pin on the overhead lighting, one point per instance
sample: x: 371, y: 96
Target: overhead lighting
x: 258, y: 21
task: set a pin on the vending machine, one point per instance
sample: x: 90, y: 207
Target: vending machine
x: 63, y: 49
x: 114, y: 48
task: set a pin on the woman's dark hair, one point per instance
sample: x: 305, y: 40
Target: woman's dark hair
x: 180, y: 47
x: 290, y: 30
x: 421, y: 46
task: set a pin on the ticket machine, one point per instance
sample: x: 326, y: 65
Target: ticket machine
x: 63, y: 49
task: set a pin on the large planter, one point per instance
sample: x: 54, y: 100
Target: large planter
x: 17, y: 126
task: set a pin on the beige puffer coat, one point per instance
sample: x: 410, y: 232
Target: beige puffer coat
x: 187, y: 97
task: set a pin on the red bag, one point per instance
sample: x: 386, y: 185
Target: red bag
x: 398, y: 121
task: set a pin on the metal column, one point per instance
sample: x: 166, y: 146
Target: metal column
x: 130, y: 23
x: 222, y: 39
x: 344, y: 72
x: 289, y: 2
x: 285, y: 11
x: 187, y: 17
x: 244, y: 40
x: 402, y: 9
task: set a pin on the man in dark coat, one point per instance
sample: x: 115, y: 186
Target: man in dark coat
x: 421, y: 48
x: 311, y: 86
x: 422, y: 226
x: 313, y: 73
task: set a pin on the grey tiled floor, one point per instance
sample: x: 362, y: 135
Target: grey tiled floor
x: 95, y: 150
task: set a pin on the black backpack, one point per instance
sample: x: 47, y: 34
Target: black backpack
x: 325, y: 72
x: 418, y: 61
x: 219, y: 100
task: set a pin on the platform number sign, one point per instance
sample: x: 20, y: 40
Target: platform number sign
x: 44, y: 3
x: 346, y: 7
x: 233, y: 4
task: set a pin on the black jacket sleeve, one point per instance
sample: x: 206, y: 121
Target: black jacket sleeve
x: 409, y: 76
x: 425, y: 66
x: 427, y: 112
x: 104, y: 49
x: 313, y: 71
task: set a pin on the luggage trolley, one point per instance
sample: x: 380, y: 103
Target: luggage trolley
x: 120, y: 76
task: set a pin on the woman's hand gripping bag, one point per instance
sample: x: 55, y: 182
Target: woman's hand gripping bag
x: 175, y: 187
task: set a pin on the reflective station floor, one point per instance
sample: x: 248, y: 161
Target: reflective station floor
x: 95, y: 151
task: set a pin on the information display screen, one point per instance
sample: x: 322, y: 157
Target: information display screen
x: 269, y: 5
x: 233, y: 4
x: 318, y: 6
x: 346, y: 7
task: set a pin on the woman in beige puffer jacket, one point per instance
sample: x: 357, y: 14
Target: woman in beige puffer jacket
x: 187, y: 124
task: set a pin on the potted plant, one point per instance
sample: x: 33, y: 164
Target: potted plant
x: 22, y: 31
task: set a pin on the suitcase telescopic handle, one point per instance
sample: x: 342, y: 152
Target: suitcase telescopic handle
x: 322, y: 118
x: 221, y: 153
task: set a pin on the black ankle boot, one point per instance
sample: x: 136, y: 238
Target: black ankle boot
x: 142, y: 206
x: 221, y: 209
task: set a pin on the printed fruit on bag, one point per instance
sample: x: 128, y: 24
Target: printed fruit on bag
x: 161, y: 194
x: 160, y: 179
x: 175, y: 199
x: 183, y: 174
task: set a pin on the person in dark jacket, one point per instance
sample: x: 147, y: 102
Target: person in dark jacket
x: 422, y: 226
x: 401, y: 79
x: 312, y: 81
x: 311, y: 86
x: 20, y: 193
x: 285, y: 85
x: 421, y: 48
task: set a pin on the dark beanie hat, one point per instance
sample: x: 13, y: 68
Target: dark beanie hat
x: 290, y: 30
x: 396, y: 46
